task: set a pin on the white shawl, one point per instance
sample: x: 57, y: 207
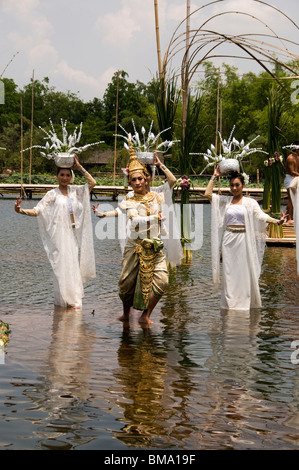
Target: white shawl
x: 172, y: 240
x: 55, y: 226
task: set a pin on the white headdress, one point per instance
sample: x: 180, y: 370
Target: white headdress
x: 233, y: 152
x: 62, y: 151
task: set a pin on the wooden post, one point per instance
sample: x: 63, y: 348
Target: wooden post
x: 31, y: 130
x: 258, y: 177
x: 116, y: 119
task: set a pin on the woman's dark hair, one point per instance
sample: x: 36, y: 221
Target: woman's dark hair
x: 236, y: 174
x: 149, y: 169
x: 58, y: 170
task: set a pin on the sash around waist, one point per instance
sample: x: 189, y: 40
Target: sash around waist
x: 236, y: 229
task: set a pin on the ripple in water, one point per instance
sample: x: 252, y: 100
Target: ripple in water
x: 198, y: 378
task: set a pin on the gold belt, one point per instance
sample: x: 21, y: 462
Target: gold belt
x: 236, y: 229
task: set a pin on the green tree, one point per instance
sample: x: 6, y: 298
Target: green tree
x: 132, y: 103
x: 10, y: 110
x: 243, y: 104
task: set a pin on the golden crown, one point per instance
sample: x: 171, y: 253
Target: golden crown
x: 134, y: 163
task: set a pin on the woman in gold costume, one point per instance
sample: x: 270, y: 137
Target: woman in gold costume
x: 144, y: 274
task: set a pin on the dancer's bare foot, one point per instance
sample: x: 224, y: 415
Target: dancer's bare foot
x: 145, y: 316
x: 126, y: 314
x: 144, y: 319
x: 124, y: 318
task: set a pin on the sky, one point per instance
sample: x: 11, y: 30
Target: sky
x: 80, y: 44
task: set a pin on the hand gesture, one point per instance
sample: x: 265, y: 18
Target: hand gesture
x: 95, y: 207
x: 18, y: 204
x: 76, y: 162
x: 161, y: 217
x: 283, y: 218
x: 217, y: 171
x: 157, y: 160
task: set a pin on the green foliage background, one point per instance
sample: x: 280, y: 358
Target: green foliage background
x: 243, y: 104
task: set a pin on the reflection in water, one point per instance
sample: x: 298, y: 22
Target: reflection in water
x: 155, y: 392
x: 158, y: 384
x: 279, y: 282
x: 65, y: 380
x: 234, y: 345
x: 231, y: 378
x: 197, y: 379
x: 142, y: 374
x: 293, y: 419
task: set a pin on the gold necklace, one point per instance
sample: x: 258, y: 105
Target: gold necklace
x: 144, y: 198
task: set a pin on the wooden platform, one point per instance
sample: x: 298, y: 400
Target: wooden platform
x: 196, y: 193
x: 196, y: 196
x: 289, y: 237
x: 40, y: 189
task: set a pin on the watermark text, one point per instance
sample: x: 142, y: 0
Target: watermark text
x: 175, y: 225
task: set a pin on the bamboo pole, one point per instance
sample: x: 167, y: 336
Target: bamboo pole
x: 21, y: 110
x: 253, y: 47
x: 185, y: 84
x: 31, y: 130
x: 158, y: 38
x: 116, y: 123
x: 8, y: 64
x: 220, y: 117
x: 217, y: 114
x: 188, y: 30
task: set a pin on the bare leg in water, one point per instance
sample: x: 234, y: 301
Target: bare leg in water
x: 126, y: 313
x: 145, y: 316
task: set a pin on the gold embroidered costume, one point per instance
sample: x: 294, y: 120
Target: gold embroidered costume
x: 144, y: 268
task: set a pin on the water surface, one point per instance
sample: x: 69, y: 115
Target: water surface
x: 198, y: 378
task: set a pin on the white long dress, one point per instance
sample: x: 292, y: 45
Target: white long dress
x: 69, y: 247
x: 242, y: 253
x: 294, y: 192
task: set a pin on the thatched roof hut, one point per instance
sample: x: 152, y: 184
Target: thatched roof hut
x: 99, y: 157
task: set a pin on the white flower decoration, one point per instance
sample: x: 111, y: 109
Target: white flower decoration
x: 231, y: 148
x: 149, y: 143
x: 66, y: 145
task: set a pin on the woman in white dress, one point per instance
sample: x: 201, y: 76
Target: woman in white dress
x: 238, y: 227
x: 64, y: 219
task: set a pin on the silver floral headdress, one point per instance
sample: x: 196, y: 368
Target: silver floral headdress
x: 232, y: 150
x: 146, y: 143
x: 62, y: 151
